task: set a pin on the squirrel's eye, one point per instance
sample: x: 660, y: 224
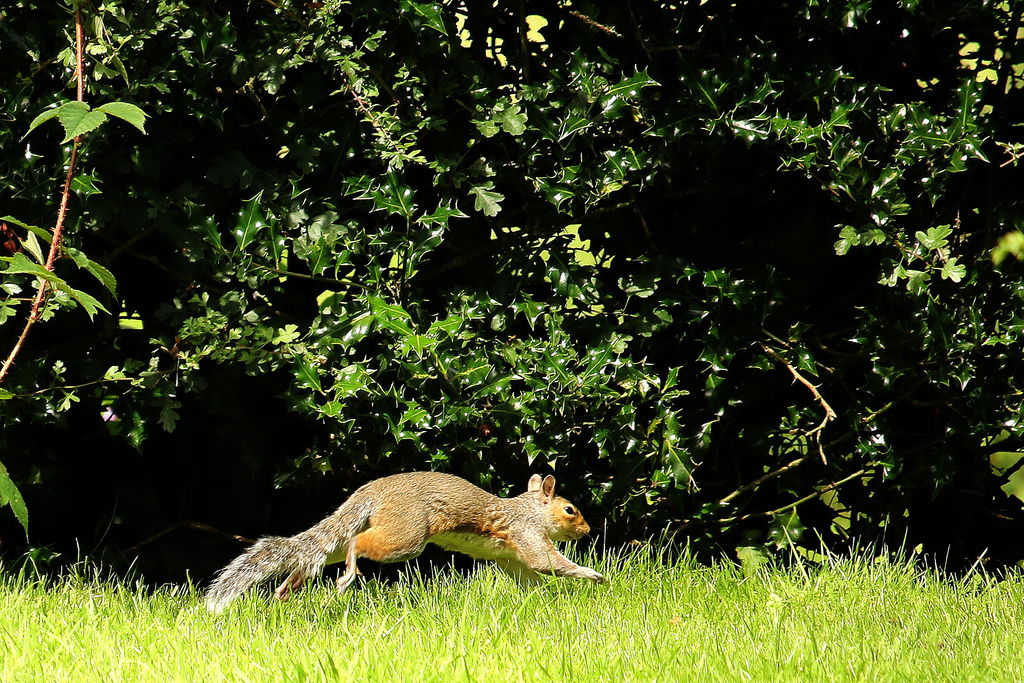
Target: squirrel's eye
x: 569, y: 510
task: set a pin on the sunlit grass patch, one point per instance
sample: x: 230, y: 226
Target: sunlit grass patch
x: 859, y: 619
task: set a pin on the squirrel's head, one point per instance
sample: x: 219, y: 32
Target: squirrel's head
x: 565, y: 521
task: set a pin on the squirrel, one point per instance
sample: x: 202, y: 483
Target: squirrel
x: 393, y: 518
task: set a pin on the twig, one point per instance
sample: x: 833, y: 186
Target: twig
x: 590, y: 22
x: 71, y: 387
x: 795, y: 503
x: 188, y: 524
x: 777, y: 511
x: 314, y: 278
x: 760, y: 480
x: 899, y: 399
x: 829, y: 413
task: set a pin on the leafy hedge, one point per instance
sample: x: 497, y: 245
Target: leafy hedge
x: 727, y: 271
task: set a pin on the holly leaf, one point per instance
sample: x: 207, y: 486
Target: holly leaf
x: 250, y: 221
x: 85, y: 185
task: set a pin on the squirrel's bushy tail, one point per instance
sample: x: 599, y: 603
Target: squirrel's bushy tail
x: 305, y: 553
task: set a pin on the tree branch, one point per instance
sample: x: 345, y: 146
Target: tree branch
x: 829, y: 413
x: 722, y: 521
x: 760, y: 480
x: 34, y: 313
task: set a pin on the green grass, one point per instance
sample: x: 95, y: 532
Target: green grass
x: 666, y: 621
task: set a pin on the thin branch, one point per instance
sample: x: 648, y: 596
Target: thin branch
x: 777, y: 511
x: 72, y: 387
x: 188, y: 524
x: 896, y: 401
x: 786, y: 508
x: 314, y: 278
x: 829, y: 413
x: 590, y: 22
x: 762, y: 479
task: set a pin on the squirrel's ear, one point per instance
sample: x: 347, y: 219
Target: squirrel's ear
x: 547, y: 487
x: 533, y: 484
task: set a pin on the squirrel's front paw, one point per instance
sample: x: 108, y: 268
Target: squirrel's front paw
x: 588, y: 573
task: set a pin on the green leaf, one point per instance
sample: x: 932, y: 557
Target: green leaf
x: 873, y: 236
x: 512, y: 121
x: 935, y: 238
x: 350, y: 380
x: 169, y: 414
x: 917, y: 280
x: 101, y: 273
x: 951, y: 270
x: 486, y: 200
x: 125, y: 112
x: 41, y: 119
x: 212, y: 234
x: 84, y: 185
x: 20, y: 264
x: 1010, y: 244
x: 105, y: 277
x: 631, y: 86
x: 449, y: 326
x: 86, y: 301
x: 250, y: 222
x: 572, y: 125
x: 752, y: 557
x: 394, y: 318
x: 417, y: 344
x: 286, y: 334
x: 358, y: 327
x: 426, y: 12
x: 119, y: 68
x: 32, y: 246
x: 557, y: 368
x: 441, y: 216
x: 414, y: 415
x: 6, y: 311
x: 40, y: 232
x: 10, y: 495
x: 399, y: 199
x: 78, y: 119
x: 308, y: 375
x: 487, y: 128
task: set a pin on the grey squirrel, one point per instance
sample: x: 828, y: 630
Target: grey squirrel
x: 393, y: 518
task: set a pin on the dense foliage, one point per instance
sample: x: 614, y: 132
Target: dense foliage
x: 726, y: 270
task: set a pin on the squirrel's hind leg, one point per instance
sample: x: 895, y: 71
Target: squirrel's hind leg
x: 351, y: 570
x: 291, y: 584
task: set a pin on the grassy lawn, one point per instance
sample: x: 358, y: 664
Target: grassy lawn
x: 665, y: 621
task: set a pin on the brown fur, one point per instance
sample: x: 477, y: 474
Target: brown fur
x: 393, y: 518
